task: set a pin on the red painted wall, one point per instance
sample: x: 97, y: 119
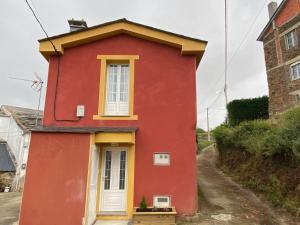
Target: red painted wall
x: 290, y: 10
x: 56, y: 176
x: 164, y: 100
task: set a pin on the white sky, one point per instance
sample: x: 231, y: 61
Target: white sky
x: 197, y: 18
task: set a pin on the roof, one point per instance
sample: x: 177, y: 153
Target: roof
x: 24, y: 117
x: 83, y: 129
x: 188, y: 45
x: 3, y: 114
x: 6, y: 162
x: 282, y: 4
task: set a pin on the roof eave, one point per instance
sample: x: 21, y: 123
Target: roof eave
x: 261, y: 36
x: 188, y: 45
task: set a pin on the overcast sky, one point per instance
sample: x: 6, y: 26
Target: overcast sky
x: 196, y: 18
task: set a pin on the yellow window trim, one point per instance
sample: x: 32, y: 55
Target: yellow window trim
x: 105, y: 60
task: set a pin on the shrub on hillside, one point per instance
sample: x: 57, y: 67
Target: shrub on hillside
x: 247, y: 110
x: 263, y: 137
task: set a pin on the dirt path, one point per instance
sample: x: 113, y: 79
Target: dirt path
x: 222, y: 201
x: 9, y: 207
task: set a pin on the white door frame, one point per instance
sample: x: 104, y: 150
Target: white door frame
x: 113, y: 193
x: 93, y: 185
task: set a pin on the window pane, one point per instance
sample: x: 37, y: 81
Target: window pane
x: 107, y: 172
x: 112, y: 83
x: 291, y: 39
x: 122, y: 170
x: 296, y: 71
x: 124, y: 85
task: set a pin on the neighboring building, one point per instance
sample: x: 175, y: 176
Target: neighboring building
x: 7, y: 166
x: 119, y: 124
x: 281, y: 39
x: 15, y: 125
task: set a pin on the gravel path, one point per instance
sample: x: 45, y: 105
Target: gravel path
x: 222, y: 201
x: 9, y: 207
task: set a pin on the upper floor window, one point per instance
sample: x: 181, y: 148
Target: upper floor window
x: 291, y: 39
x: 295, y: 71
x: 116, y: 89
x: 117, y: 93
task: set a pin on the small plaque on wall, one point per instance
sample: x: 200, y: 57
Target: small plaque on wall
x: 161, y: 159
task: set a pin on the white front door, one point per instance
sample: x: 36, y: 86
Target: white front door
x: 114, y: 180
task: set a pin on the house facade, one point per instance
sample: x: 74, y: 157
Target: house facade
x: 119, y: 125
x: 15, y: 125
x: 281, y: 39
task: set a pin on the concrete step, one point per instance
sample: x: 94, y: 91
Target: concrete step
x: 112, y: 222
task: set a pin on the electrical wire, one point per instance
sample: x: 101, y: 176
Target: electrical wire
x: 39, y: 22
x: 58, y: 65
x: 241, y: 44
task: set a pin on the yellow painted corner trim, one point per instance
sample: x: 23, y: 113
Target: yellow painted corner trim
x: 118, y: 137
x: 105, y: 60
x: 187, y: 45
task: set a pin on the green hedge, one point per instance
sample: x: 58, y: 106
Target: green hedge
x: 247, y: 109
x: 263, y: 137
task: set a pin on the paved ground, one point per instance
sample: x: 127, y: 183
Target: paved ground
x: 9, y: 207
x: 223, y: 202
x: 227, y: 203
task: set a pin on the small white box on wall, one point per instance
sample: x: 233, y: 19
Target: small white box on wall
x: 162, y: 201
x: 80, y: 111
x: 161, y: 159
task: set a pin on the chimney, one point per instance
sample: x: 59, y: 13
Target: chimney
x: 272, y: 8
x: 77, y: 25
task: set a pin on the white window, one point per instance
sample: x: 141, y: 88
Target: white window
x: 295, y: 71
x: 162, y: 201
x: 298, y: 97
x: 291, y: 39
x: 162, y: 159
x: 117, y: 93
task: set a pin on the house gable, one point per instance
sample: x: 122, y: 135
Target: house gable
x: 188, y: 46
x: 287, y: 10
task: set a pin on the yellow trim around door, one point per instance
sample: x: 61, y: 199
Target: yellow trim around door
x: 105, y: 60
x: 108, y: 138
x: 130, y: 186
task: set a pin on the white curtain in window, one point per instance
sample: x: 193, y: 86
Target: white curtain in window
x: 117, y: 95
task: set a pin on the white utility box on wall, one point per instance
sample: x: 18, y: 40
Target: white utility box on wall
x: 80, y: 111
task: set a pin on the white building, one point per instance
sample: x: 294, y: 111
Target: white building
x: 15, y: 125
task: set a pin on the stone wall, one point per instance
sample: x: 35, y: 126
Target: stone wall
x: 279, y: 74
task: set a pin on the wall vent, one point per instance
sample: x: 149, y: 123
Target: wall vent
x: 162, y: 201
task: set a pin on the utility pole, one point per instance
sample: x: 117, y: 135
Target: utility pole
x: 226, y: 58
x: 208, y: 130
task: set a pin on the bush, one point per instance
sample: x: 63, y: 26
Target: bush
x: 247, y: 110
x: 143, y: 203
x: 263, y: 137
x: 223, y: 136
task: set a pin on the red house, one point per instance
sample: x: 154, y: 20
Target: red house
x: 119, y: 124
